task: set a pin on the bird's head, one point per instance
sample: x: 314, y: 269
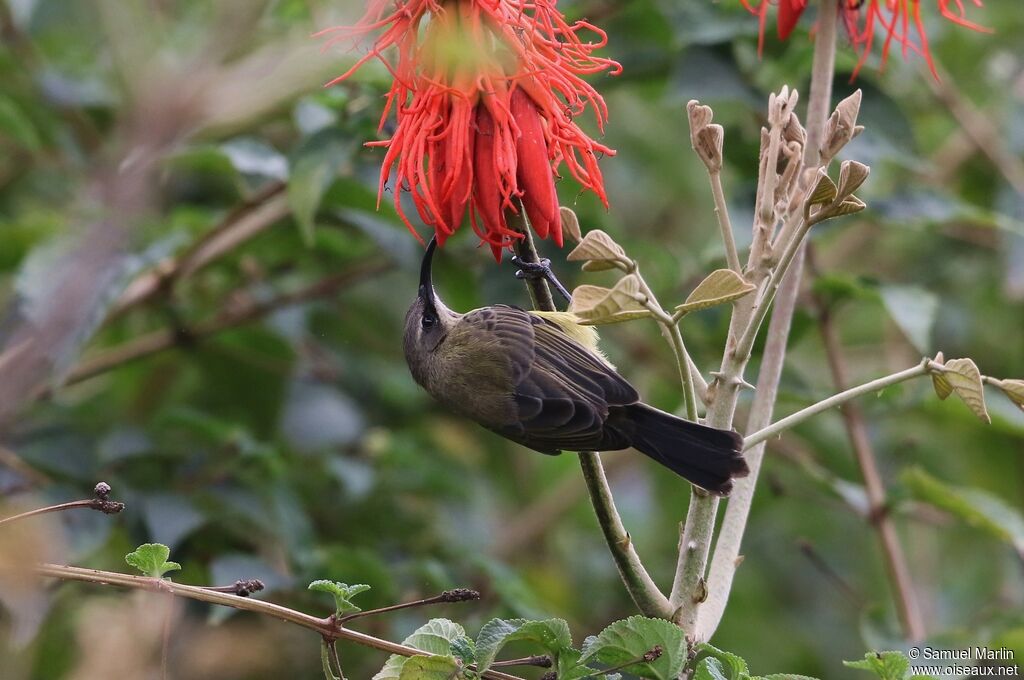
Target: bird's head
x: 428, y: 320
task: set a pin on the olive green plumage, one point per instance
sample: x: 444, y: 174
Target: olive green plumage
x: 539, y: 379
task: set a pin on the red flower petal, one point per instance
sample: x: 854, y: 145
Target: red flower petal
x: 533, y: 168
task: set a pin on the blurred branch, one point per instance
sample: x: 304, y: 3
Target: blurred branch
x: 10, y: 459
x: 327, y: 627
x: 645, y: 593
x: 244, y: 222
x: 979, y: 129
x: 158, y: 341
x: 98, y: 502
x: 878, y: 507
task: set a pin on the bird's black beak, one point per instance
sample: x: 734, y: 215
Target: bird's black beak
x: 426, y: 284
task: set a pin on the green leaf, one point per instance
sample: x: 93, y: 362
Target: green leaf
x: 629, y: 639
x: 552, y: 634
x: 342, y: 592
x: 975, y: 507
x: 594, y: 305
x: 434, y: 637
x: 734, y: 667
x: 151, y: 559
x: 430, y: 668
x: 914, y: 310
x: 719, y: 287
x: 464, y: 649
x: 17, y: 126
x: 314, y: 166
x: 710, y: 668
x: 885, y: 665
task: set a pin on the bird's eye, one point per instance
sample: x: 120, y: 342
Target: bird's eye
x: 428, y: 321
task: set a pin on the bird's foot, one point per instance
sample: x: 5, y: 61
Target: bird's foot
x: 540, y: 270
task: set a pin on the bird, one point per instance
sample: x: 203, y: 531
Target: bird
x: 540, y: 380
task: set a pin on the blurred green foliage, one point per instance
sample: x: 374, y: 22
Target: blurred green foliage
x: 296, y: 447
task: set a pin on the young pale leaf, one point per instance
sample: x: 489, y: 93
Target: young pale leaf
x: 629, y: 639
x: 850, y: 205
x: 963, y: 376
x: 1013, y: 389
x: 434, y: 637
x: 552, y: 634
x: 599, y: 250
x: 734, y: 667
x: 431, y: 668
x: 851, y: 175
x: 342, y: 592
x: 885, y: 665
x: 594, y: 305
x: 151, y: 559
x: 825, y: 191
x: 719, y: 287
x: 974, y: 506
x: 570, y: 224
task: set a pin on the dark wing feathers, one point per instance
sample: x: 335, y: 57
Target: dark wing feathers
x: 561, y: 389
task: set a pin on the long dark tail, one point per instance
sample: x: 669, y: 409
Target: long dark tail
x: 707, y: 457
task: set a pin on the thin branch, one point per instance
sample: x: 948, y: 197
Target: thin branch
x: 241, y: 224
x: 538, y: 661
x: 324, y: 626
x: 638, y: 582
x: 99, y: 502
x: 726, y: 558
x: 724, y: 223
x: 456, y: 595
x: 158, y: 341
x: 892, y: 550
x: 789, y: 421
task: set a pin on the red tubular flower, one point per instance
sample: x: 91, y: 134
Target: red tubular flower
x: 484, y: 94
x: 900, y: 20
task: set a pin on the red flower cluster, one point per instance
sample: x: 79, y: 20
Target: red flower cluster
x: 899, y: 20
x: 484, y: 93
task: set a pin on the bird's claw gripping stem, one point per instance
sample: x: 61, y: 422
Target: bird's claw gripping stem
x: 540, y: 270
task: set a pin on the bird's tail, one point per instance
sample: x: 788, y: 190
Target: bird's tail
x: 708, y: 457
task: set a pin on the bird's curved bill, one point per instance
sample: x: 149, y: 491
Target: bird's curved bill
x: 426, y: 283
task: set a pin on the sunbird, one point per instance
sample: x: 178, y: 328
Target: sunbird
x: 539, y: 379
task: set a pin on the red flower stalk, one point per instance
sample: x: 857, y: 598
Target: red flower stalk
x: 484, y: 97
x: 900, y: 20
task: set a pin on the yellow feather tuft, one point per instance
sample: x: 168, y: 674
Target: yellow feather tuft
x: 571, y: 326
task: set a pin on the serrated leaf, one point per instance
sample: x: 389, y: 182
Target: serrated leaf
x: 1013, y: 389
x: 151, y: 559
x: 436, y: 636
x: 914, y: 310
x: 342, y: 592
x: 430, y: 668
x: 710, y: 669
x: 598, y: 246
x: 734, y: 667
x: 595, y: 305
x: 719, y: 287
x: 464, y: 649
x: 783, y: 676
x: 552, y: 634
x: 976, y: 507
x: 964, y: 378
x: 631, y: 638
x: 825, y: 191
x: 885, y: 665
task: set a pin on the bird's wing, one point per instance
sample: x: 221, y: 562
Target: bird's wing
x: 561, y: 389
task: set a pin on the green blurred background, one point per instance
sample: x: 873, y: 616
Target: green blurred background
x: 296, y: 446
